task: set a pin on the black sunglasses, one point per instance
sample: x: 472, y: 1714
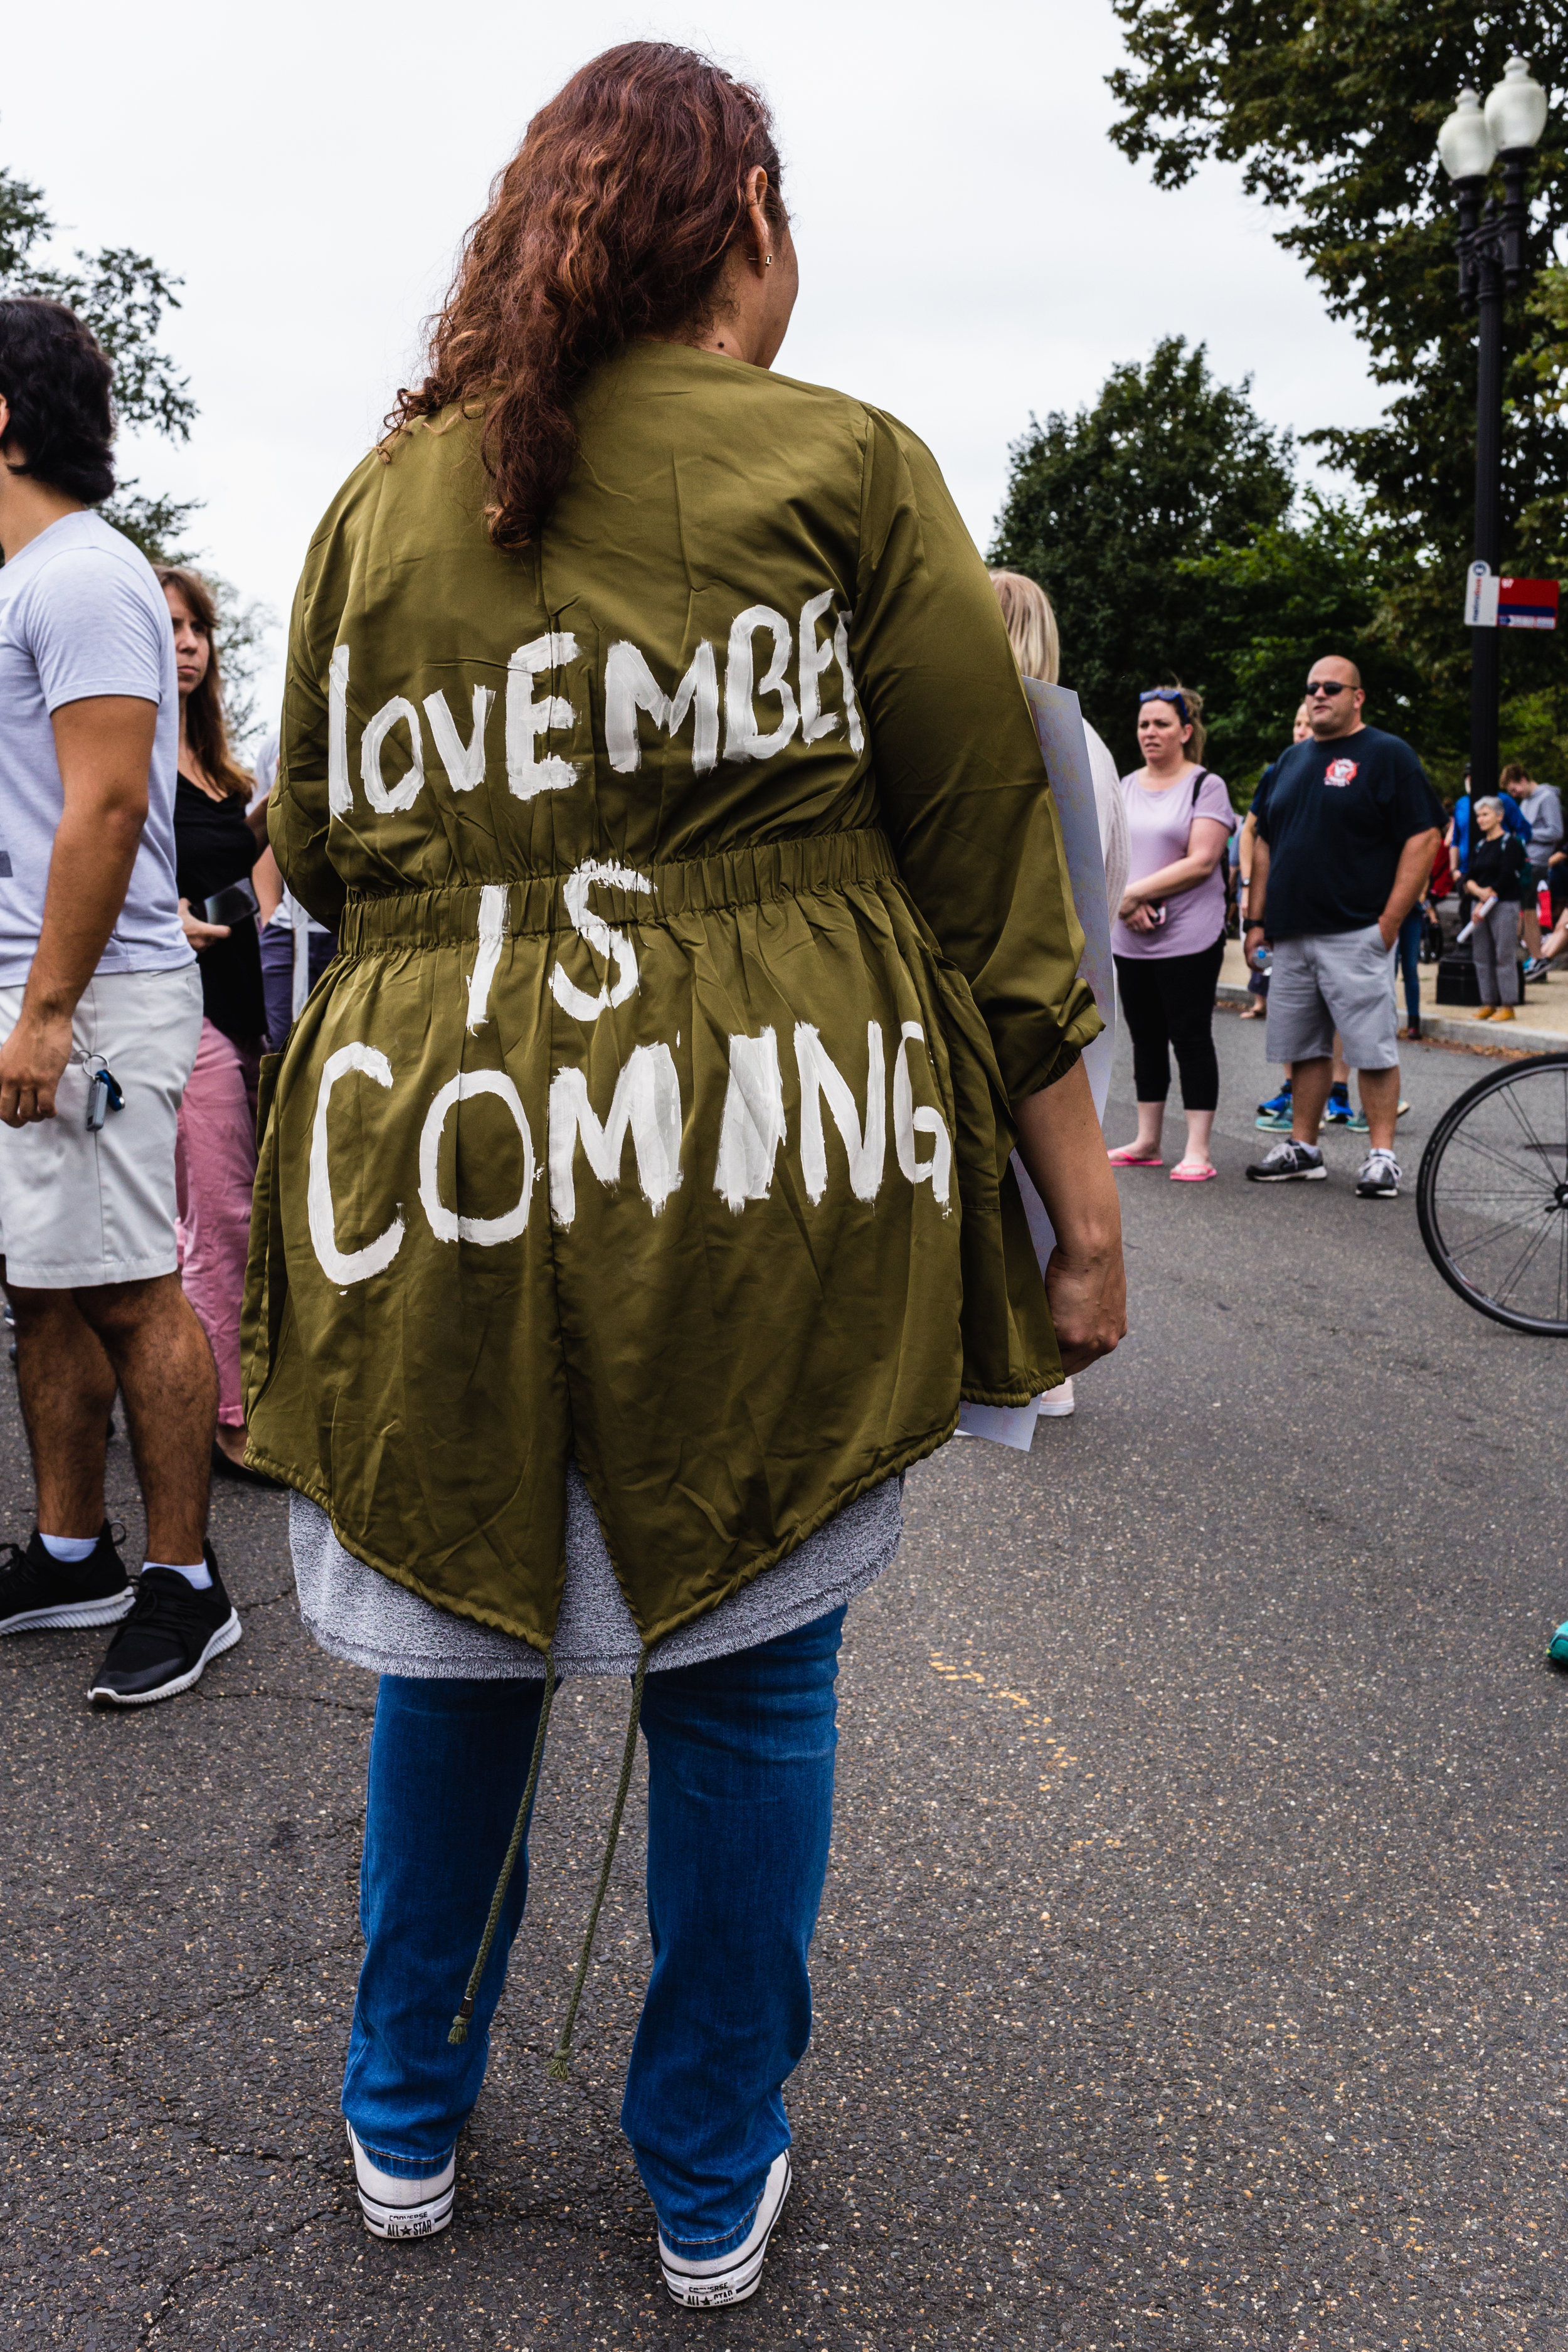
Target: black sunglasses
x: 1325, y: 686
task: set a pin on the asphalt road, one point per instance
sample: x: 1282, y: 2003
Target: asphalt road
x: 1191, y: 1968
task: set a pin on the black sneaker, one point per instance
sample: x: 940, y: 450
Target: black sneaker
x: 38, y: 1590
x: 168, y: 1638
x: 1289, y: 1163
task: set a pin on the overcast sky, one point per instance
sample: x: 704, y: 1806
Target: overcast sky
x: 972, y: 247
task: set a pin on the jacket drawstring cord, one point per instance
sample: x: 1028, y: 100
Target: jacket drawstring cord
x: 560, y: 2064
x: 459, y: 2031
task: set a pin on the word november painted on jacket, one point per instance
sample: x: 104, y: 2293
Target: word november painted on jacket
x: 646, y: 1105
x: 630, y: 687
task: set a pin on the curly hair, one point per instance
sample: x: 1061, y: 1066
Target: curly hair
x: 206, y: 726
x: 611, y: 222
x: 56, y: 380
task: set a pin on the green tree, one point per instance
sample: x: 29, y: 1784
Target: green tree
x: 122, y: 297
x: 1305, y: 586
x: 1332, y: 108
x: 1102, y: 508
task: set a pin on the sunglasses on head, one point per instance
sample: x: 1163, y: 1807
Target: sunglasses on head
x: 1171, y: 694
x: 1325, y: 686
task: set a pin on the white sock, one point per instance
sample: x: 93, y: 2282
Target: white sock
x: 73, y: 1548
x: 200, y: 1575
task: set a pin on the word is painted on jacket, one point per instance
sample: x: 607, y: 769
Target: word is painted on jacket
x: 645, y: 1107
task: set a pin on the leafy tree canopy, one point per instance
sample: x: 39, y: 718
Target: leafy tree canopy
x: 1332, y: 109
x: 1303, y: 587
x: 122, y: 296
x: 1102, y: 507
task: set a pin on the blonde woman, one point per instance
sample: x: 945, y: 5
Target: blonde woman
x: 1032, y: 630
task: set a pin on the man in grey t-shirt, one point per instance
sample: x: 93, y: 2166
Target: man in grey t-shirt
x: 100, y: 1012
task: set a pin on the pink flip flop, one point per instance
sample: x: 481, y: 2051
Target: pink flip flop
x: 1125, y: 1156
x: 1192, y: 1175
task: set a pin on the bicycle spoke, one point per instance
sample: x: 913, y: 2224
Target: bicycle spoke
x: 1509, y: 1094
x: 1491, y: 1234
x: 1525, y: 1259
x: 1484, y: 1148
x: 1499, y: 1192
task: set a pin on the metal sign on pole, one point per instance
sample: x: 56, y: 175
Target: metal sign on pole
x: 1527, y: 603
x: 1482, y: 598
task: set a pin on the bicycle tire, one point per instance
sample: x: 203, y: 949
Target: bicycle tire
x: 1536, y: 1197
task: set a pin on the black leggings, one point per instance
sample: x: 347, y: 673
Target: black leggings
x: 1169, y: 1001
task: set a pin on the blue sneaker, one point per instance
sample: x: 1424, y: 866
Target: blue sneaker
x: 1356, y: 1123
x: 1274, y: 1115
x: 1338, y: 1111
x: 1559, y: 1649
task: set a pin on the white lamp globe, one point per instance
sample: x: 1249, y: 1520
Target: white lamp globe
x: 1464, y: 143
x: 1516, y: 109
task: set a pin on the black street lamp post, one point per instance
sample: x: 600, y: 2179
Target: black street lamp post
x: 1492, y: 262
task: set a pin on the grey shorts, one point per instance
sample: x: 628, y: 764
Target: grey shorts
x: 1337, y: 979
x: 83, y: 1206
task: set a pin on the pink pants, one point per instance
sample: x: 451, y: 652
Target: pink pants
x: 215, y: 1169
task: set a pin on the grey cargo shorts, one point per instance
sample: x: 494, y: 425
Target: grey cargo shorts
x: 1334, y: 980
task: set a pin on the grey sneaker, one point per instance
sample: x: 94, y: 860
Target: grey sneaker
x: 1289, y: 1163
x: 1379, y: 1178
x: 734, y: 2276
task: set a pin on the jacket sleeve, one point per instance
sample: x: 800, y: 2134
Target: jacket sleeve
x: 960, y: 774
x: 298, y: 813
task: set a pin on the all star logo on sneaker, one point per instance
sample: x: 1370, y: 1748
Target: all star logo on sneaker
x: 1340, y: 771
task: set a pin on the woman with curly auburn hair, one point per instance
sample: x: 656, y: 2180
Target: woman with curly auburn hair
x: 634, y: 1203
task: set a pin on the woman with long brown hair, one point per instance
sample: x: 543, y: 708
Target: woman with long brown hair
x: 216, y: 846
x: 634, y: 1203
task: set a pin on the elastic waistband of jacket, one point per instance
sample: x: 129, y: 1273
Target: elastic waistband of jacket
x: 686, y: 886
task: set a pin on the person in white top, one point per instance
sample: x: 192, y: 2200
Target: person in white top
x: 100, y: 1008
x: 1031, y: 632
x: 1035, y: 641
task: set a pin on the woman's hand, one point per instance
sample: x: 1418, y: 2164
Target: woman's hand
x: 200, y: 934
x: 1060, y: 1144
x: 1136, y: 915
x: 1088, y: 1296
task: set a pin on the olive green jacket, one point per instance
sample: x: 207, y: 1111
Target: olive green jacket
x: 701, y: 909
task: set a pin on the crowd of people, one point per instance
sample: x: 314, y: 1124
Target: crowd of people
x: 1349, y: 872
x: 535, y: 1418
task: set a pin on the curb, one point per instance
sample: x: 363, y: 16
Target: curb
x: 1478, y: 1036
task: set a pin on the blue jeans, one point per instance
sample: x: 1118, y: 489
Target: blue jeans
x: 1407, y: 958
x: 739, y: 1813
x: 278, y: 976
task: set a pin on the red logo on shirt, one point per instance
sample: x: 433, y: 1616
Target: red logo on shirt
x: 1340, y: 771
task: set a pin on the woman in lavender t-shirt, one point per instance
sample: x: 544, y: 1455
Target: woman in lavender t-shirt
x: 1170, y: 933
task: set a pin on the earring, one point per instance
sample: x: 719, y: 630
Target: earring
x: 767, y: 261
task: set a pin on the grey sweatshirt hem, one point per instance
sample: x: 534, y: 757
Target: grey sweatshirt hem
x: 356, y: 1614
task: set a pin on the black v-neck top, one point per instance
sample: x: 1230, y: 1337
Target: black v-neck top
x: 213, y: 847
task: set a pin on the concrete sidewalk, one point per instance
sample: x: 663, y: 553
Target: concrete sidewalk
x: 1539, y: 1025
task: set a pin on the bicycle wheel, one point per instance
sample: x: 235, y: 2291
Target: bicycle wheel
x: 1492, y: 1195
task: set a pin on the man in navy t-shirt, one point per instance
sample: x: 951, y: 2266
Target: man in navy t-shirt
x: 1347, y: 829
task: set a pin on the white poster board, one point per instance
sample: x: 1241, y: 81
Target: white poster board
x: 1058, y: 722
